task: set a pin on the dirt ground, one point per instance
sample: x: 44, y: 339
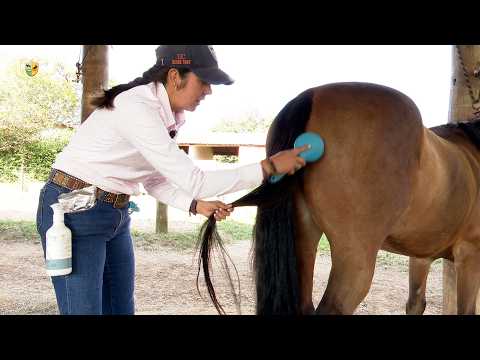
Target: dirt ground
x: 165, y: 283
x: 165, y: 277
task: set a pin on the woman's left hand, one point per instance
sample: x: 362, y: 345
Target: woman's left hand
x: 218, y: 208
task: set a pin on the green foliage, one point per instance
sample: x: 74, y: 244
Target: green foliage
x: 9, y: 165
x: 29, y: 105
x: 37, y: 157
x: 252, y: 123
x: 226, y: 158
x: 41, y: 155
x: 18, y: 231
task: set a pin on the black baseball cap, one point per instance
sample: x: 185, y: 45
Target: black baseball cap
x: 200, y: 59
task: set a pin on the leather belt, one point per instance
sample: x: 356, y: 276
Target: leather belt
x: 72, y: 183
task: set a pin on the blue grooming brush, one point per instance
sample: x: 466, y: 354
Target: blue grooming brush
x: 314, y: 153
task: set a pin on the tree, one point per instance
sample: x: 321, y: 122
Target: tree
x: 95, y: 75
x: 249, y: 124
x: 30, y: 104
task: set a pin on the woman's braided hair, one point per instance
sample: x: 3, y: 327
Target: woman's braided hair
x: 156, y: 73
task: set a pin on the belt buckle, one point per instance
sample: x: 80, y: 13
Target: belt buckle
x: 98, y: 194
x: 119, y: 201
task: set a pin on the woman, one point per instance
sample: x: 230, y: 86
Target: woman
x: 128, y: 140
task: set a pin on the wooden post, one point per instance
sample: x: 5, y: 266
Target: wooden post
x: 95, y: 75
x: 161, y: 221
x: 460, y: 110
x: 201, y: 152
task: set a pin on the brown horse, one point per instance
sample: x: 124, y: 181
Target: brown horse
x: 384, y: 182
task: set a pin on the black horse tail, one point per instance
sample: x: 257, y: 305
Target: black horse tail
x: 275, y: 266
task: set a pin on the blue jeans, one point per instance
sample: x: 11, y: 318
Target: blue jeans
x: 103, y: 265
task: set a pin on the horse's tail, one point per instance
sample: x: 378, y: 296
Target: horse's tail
x: 274, y: 231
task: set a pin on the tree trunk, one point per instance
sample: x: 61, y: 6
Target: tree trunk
x: 460, y: 111
x: 95, y: 75
x: 161, y: 222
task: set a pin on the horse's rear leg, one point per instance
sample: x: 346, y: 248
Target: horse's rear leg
x: 418, y: 273
x: 467, y: 266
x: 353, y: 265
x: 307, y: 237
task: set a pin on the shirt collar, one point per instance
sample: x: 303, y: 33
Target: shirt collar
x: 172, y: 121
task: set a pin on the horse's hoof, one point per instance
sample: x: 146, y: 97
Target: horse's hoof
x: 417, y: 308
x: 307, y: 310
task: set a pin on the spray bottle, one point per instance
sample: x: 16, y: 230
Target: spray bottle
x: 58, y: 244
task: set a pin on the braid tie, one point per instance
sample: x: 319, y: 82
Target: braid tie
x: 147, y: 77
x: 150, y: 73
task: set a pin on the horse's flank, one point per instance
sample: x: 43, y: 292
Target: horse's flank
x: 443, y: 199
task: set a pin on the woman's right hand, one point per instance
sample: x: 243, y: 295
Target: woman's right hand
x: 287, y: 161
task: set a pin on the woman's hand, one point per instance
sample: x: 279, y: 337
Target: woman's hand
x: 218, y: 208
x: 285, y: 162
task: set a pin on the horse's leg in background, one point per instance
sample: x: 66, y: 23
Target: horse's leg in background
x: 418, y: 273
x: 467, y: 266
x: 353, y: 265
x: 307, y: 237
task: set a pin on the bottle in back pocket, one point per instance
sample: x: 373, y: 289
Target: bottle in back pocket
x: 58, y: 244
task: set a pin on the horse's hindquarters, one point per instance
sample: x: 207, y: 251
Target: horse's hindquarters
x: 364, y: 181
x: 363, y: 184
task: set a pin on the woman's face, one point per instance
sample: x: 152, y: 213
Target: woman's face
x: 189, y: 92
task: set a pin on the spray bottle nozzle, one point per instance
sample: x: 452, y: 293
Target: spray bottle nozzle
x: 58, y: 212
x: 57, y: 208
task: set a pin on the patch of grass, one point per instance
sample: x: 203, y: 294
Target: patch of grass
x: 384, y: 258
x: 235, y: 230
x: 229, y: 231
x: 177, y: 240
x: 18, y: 231
x: 323, y: 245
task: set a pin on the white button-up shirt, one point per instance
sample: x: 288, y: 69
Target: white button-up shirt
x: 118, y: 149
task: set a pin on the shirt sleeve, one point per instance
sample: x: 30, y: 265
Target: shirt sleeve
x: 158, y: 187
x: 142, y: 127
